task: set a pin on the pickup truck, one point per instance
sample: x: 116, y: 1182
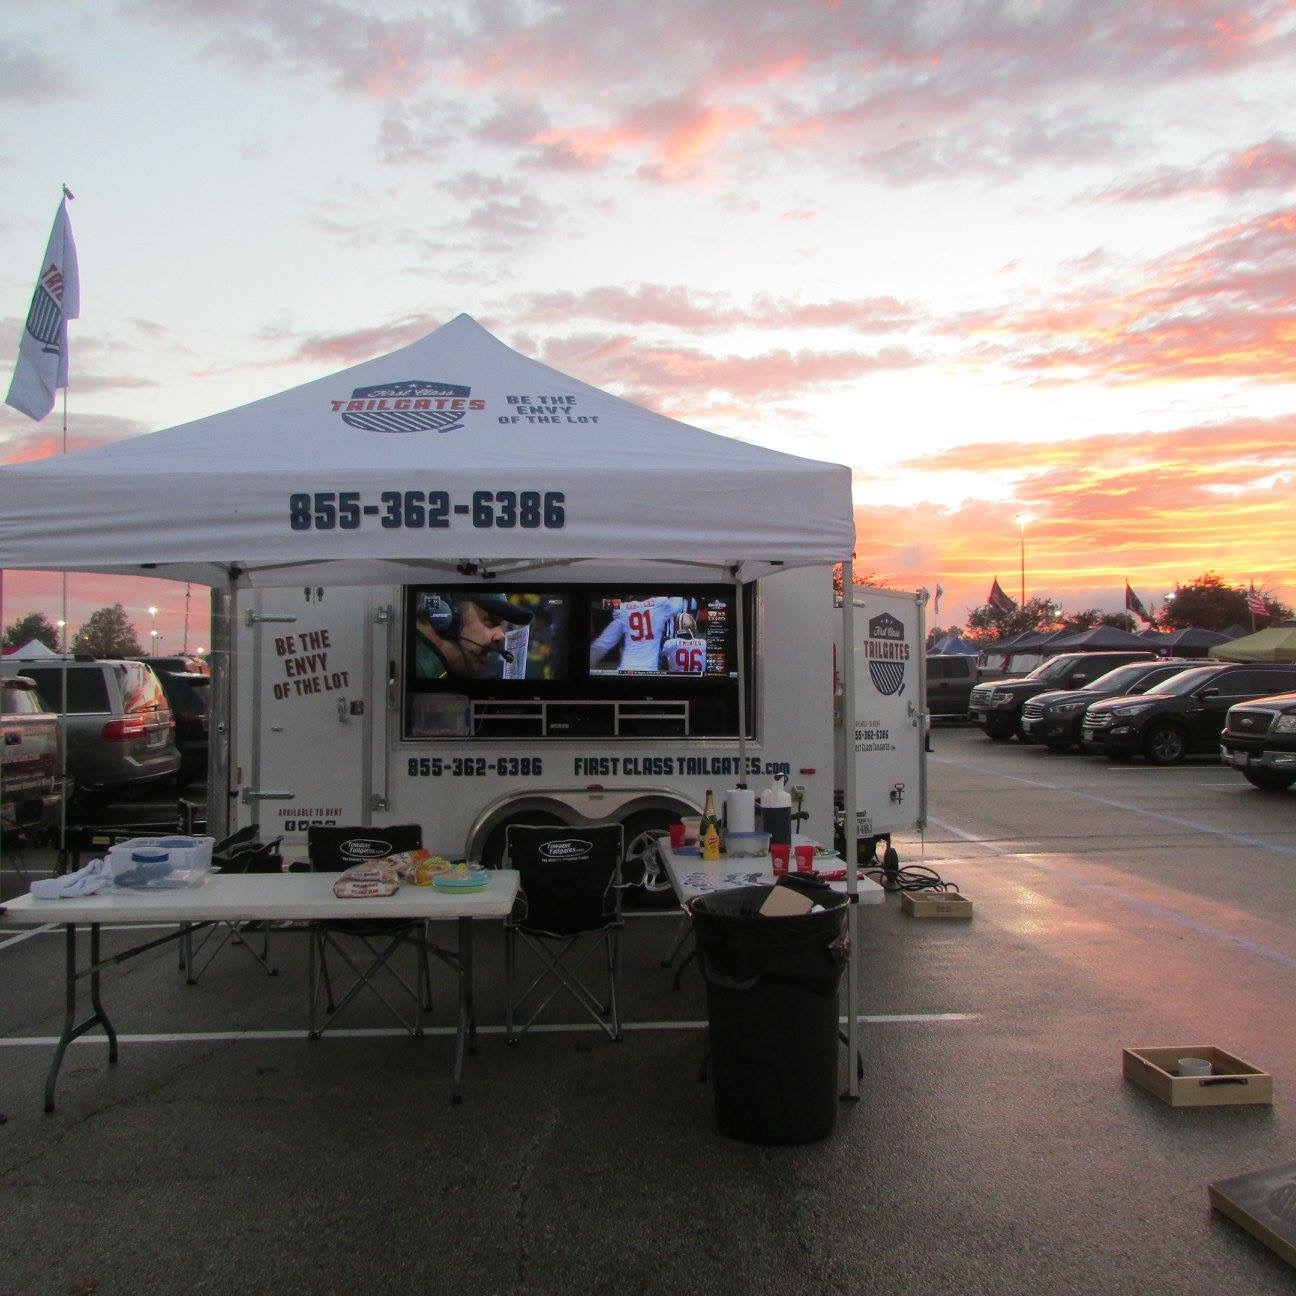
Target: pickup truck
x: 32, y: 788
x: 1259, y: 740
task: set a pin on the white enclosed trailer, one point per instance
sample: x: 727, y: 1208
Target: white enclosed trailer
x: 452, y: 457
x: 331, y: 723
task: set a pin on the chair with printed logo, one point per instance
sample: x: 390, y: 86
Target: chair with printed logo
x: 569, y: 907
x: 365, y: 946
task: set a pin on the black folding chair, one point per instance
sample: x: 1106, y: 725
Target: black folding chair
x: 330, y: 850
x: 242, y: 852
x: 570, y: 890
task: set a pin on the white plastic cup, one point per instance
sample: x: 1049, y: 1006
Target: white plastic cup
x: 1194, y: 1066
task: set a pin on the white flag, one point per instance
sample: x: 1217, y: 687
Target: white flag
x: 43, y: 354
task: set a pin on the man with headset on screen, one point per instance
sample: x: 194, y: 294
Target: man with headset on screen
x: 458, y: 634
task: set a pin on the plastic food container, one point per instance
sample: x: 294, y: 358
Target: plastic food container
x: 692, y: 823
x: 747, y: 843
x: 175, y: 861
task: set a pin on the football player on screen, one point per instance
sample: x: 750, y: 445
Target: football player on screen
x: 638, y: 625
x: 685, y: 652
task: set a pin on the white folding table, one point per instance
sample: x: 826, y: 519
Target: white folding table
x: 692, y: 876
x: 254, y: 897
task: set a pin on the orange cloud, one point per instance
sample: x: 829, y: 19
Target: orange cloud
x: 1153, y: 508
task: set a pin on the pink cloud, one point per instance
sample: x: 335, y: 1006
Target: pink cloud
x: 1219, y: 308
x: 677, y: 306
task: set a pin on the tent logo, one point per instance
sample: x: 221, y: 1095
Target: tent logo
x: 415, y: 405
x: 887, y: 653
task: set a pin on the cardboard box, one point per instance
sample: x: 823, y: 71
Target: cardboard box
x: 1234, y: 1081
x: 936, y: 904
x: 1264, y: 1203
x: 784, y: 902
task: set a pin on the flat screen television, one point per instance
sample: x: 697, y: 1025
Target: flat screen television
x: 682, y: 636
x: 460, y: 636
x: 478, y: 659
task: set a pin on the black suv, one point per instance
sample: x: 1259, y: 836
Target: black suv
x: 997, y: 707
x: 1182, y: 714
x: 1054, y: 718
x: 1259, y: 739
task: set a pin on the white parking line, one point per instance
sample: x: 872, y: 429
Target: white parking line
x: 27, y: 935
x: 1131, y: 901
x: 559, y: 1028
x: 1176, y: 821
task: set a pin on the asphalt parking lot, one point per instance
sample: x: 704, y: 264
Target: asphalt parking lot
x: 997, y: 1148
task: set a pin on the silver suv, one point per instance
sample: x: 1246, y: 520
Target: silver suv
x: 120, y: 730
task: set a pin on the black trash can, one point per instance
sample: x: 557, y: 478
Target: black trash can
x: 772, y: 1004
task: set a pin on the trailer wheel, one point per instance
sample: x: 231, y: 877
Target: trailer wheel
x: 643, y: 870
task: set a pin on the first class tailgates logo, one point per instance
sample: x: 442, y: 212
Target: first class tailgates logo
x: 414, y: 405
x: 887, y: 653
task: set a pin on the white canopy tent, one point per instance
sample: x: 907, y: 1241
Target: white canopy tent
x: 454, y: 453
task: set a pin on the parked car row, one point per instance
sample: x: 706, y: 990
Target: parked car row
x: 1161, y: 709
x: 129, y: 725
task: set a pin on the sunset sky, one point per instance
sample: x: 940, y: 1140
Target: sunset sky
x: 1006, y: 259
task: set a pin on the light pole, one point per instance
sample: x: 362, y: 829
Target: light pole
x: 62, y: 635
x: 1022, y: 519
x: 153, y: 634
x: 153, y: 628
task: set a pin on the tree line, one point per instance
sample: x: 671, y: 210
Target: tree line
x: 1206, y: 602
x: 107, y: 632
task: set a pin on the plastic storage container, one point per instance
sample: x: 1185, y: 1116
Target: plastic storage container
x: 174, y: 861
x: 747, y: 843
x: 772, y: 1007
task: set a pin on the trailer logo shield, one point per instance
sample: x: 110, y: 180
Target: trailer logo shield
x: 887, y: 653
x: 412, y: 405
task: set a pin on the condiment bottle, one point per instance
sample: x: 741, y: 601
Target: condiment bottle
x: 709, y: 830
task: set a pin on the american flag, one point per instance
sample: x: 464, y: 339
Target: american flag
x: 1256, y: 602
x: 1135, y: 604
x: 999, y: 600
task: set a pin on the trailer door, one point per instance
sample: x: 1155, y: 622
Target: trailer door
x: 890, y: 719
x: 309, y: 713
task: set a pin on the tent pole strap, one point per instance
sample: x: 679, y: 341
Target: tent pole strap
x: 850, y: 833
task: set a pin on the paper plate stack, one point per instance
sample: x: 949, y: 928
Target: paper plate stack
x: 462, y: 879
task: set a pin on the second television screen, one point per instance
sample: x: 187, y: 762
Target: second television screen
x: 677, y: 635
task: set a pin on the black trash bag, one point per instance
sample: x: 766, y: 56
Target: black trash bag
x: 772, y: 1008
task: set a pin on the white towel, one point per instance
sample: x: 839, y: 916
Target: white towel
x: 85, y: 881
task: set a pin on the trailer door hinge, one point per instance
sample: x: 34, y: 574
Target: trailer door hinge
x: 257, y: 618
x: 377, y: 802
x: 249, y: 795
x: 382, y: 615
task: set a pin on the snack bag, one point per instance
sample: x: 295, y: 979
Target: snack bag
x: 429, y: 868
x: 373, y: 878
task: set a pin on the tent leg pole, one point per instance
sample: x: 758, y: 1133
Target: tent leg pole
x: 850, y: 833
x: 223, y: 611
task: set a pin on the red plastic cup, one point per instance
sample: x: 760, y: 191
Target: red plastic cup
x: 779, y: 853
x: 676, y: 835
x: 804, y: 859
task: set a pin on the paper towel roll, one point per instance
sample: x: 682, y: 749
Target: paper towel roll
x: 740, y: 810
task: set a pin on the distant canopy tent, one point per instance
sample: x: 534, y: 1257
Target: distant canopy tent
x: 1192, y: 641
x: 955, y: 645
x: 1096, y: 639
x: 1274, y: 644
x: 32, y: 650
